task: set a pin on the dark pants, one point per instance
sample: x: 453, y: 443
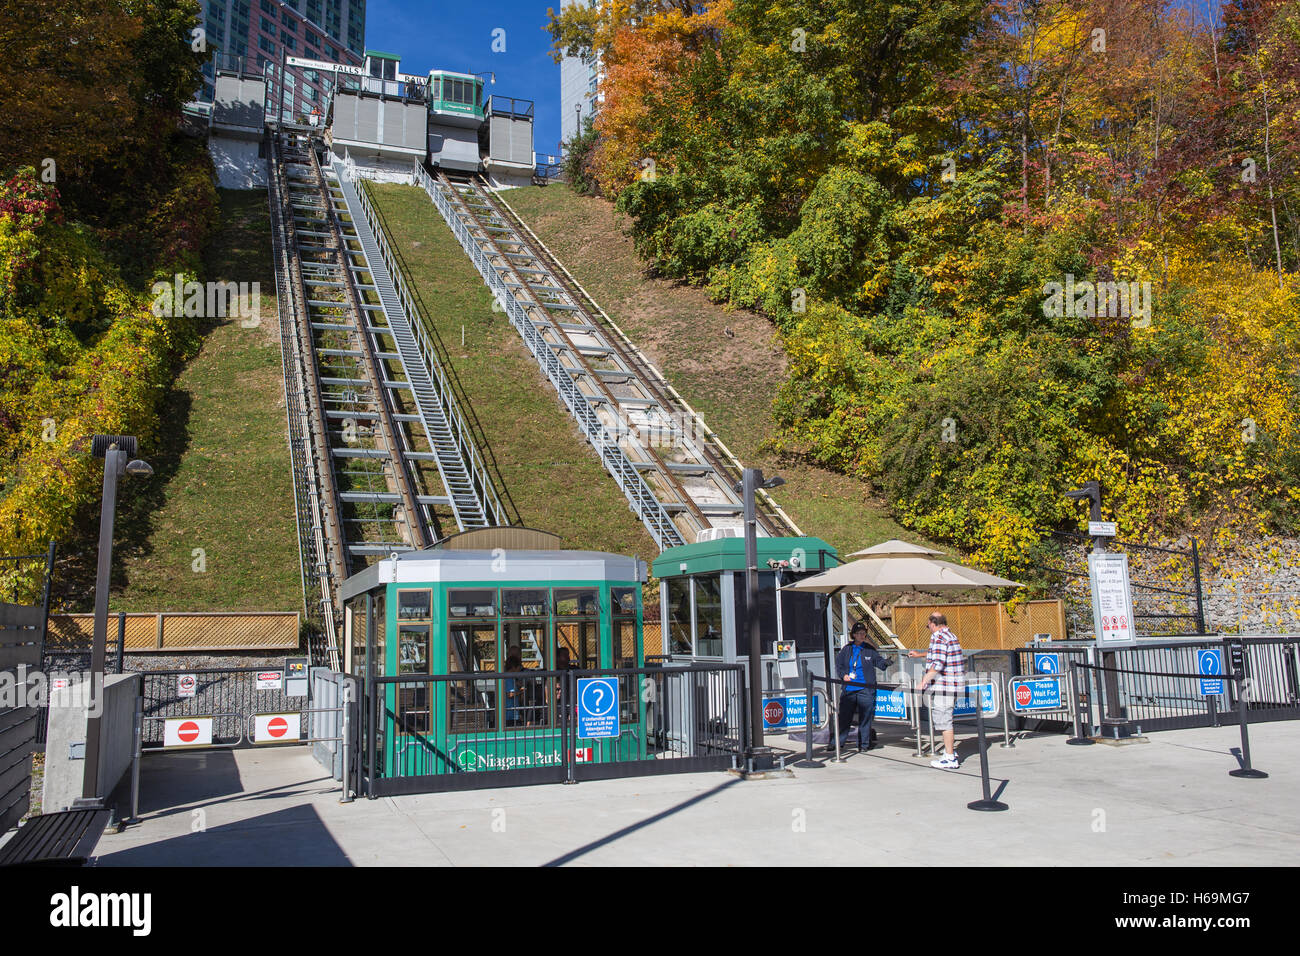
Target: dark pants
x: 862, y: 704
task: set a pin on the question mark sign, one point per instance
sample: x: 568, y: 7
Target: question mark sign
x: 600, y: 695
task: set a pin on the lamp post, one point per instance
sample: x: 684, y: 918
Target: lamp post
x: 759, y: 757
x: 118, y: 452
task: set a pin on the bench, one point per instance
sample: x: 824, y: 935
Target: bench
x: 68, y: 836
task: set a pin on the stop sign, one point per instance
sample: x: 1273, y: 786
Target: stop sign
x: 188, y: 731
x: 773, y: 712
x: 1024, y: 694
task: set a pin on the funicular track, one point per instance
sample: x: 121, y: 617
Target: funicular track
x: 684, y: 470
x: 381, y: 461
x: 651, y: 442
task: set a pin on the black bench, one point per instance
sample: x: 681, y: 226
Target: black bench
x: 68, y: 836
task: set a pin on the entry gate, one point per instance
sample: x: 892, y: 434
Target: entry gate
x: 230, y: 696
x: 429, y: 733
x: 229, y: 708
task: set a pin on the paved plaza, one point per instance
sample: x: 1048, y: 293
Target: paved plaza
x: 1168, y: 800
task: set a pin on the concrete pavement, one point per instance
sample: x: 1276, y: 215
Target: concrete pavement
x: 1167, y: 801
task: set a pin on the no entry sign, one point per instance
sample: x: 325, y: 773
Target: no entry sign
x: 276, y: 728
x: 187, y: 732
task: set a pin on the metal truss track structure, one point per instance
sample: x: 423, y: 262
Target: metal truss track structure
x: 381, y: 460
x: 677, y: 475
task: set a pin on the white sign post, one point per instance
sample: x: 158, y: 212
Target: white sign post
x: 1112, y: 600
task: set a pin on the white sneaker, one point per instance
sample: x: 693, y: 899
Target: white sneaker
x: 946, y: 762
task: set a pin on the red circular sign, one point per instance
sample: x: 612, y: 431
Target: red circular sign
x: 277, y: 727
x: 773, y: 712
x: 1024, y: 694
x: 188, y: 731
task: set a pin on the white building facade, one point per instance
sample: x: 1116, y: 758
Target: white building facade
x: 580, y: 96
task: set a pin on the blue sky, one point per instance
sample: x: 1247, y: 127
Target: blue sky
x: 441, y: 35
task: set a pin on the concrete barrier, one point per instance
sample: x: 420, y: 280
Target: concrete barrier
x: 65, y: 748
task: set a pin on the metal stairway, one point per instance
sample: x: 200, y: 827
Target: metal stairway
x: 382, y: 461
x: 474, y: 503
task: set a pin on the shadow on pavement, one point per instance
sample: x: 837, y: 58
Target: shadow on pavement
x: 291, y: 837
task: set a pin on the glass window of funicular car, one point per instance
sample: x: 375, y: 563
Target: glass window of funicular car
x: 379, y: 631
x: 577, y: 628
x: 414, y: 644
x: 526, y: 644
x: 414, y: 604
x: 468, y: 603
x: 471, y: 649
x: 354, y: 623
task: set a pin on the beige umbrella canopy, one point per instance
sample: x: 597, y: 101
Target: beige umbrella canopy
x: 893, y: 548
x: 899, y: 571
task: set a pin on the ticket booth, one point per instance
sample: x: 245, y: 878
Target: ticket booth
x: 702, y: 606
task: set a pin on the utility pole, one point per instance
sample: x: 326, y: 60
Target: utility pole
x: 758, y: 757
x: 117, y: 452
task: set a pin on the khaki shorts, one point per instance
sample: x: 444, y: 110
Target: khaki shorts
x: 941, y: 707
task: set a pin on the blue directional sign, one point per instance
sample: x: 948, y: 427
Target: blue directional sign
x: 1209, y: 662
x: 966, y: 703
x: 1047, y: 663
x: 891, y: 704
x: 597, y: 707
x: 1029, y: 694
x: 780, y: 713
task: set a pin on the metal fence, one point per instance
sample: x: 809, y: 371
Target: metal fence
x: 1158, y: 684
x: 491, y: 729
x: 228, y: 695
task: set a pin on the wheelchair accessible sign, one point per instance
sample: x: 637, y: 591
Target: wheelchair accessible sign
x: 597, y: 707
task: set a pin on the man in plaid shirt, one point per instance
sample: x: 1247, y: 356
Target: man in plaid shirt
x: 946, y: 669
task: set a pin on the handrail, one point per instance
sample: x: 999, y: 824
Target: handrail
x: 480, y: 478
x: 478, y: 433
x: 658, y: 378
x: 645, y: 505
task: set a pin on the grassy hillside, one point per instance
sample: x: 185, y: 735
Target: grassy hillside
x: 555, y: 478
x: 222, y: 478
x: 727, y: 364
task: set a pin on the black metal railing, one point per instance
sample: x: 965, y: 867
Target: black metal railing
x: 490, y: 729
x: 1159, y: 685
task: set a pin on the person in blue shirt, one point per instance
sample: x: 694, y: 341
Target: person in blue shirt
x: 514, y: 689
x: 856, y: 664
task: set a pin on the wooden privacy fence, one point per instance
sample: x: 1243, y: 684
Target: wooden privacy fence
x: 20, y: 646
x: 986, y: 626
x: 181, y: 631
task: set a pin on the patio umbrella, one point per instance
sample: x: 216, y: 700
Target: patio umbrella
x: 893, y: 548
x: 899, y: 573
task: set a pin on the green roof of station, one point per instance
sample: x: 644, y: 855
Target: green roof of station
x: 383, y: 56
x: 728, y: 554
